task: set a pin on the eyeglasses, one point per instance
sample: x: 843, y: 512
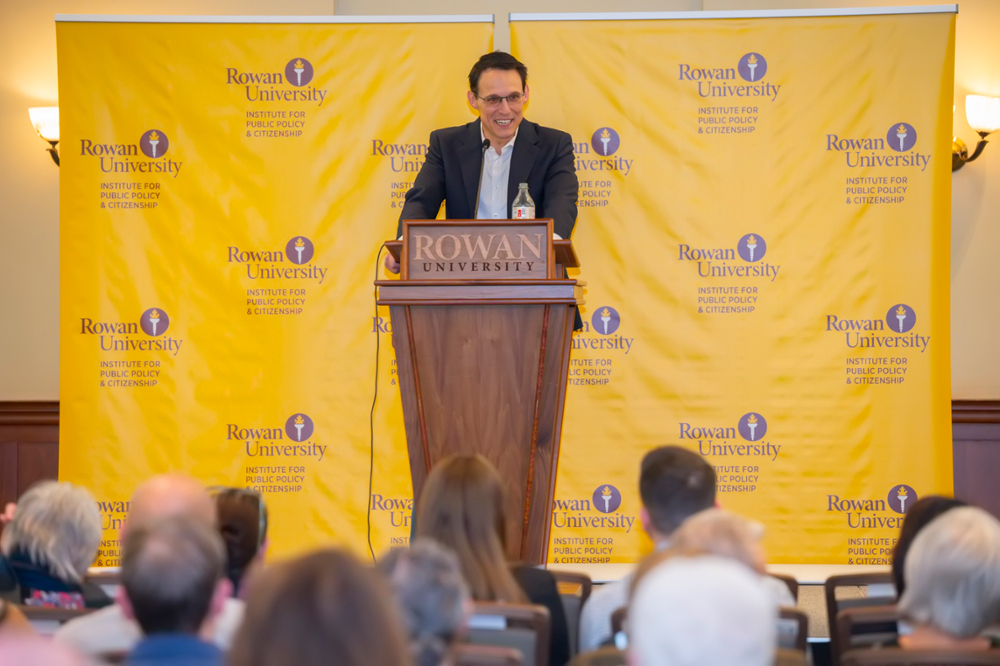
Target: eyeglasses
x: 512, y: 99
x: 222, y: 491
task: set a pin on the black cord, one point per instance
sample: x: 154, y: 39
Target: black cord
x: 371, y: 418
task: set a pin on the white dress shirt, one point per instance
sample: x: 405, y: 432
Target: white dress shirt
x: 496, y: 175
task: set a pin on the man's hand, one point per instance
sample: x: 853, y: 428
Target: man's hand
x: 391, y: 264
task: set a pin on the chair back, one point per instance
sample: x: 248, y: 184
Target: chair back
x: 46, y: 621
x: 878, y: 590
x: 107, y: 578
x: 523, y: 627
x: 618, y: 618
x: 783, y: 657
x: 605, y: 656
x: 791, y: 582
x: 485, y: 655
x: 900, y: 657
x: 873, y: 626
x: 574, y: 590
x: 793, y: 629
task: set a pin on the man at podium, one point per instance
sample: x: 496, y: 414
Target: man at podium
x: 476, y: 168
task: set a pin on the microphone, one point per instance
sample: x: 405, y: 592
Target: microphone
x: 482, y: 168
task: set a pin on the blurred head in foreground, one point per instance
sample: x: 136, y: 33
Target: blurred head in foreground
x: 23, y: 650
x: 319, y: 609
x: 953, y: 578
x: 242, y: 518
x: 432, y: 598
x: 173, y: 576
x: 674, y: 484
x: 461, y: 507
x: 917, y: 518
x: 702, y: 611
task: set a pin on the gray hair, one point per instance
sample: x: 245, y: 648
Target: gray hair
x: 57, y: 525
x: 953, y: 573
x: 431, y: 595
x: 692, y: 611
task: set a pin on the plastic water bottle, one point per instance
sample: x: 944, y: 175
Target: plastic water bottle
x: 524, y: 205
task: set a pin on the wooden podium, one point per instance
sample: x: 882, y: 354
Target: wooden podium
x: 482, y: 322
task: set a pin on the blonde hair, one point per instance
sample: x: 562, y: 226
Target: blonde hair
x: 461, y: 507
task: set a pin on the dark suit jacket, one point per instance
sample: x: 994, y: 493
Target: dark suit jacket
x: 540, y: 587
x: 543, y: 158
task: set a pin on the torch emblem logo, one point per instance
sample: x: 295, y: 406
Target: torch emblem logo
x: 154, y: 143
x: 900, y: 497
x: 607, y: 499
x: 752, y: 427
x: 606, y: 320
x: 751, y: 248
x: 605, y: 142
x: 300, y: 250
x: 901, y: 318
x: 298, y: 72
x: 901, y: 137
x: 299, y: 427
x: 752, y: 67
x: 154, y: 322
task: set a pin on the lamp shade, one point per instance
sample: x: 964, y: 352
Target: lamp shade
x: 46, y: 121
x: 983, y: 113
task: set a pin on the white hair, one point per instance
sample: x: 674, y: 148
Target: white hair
x: 720, y: 532
x: 57, y: 525
x: 702, y: 611
x: 952, y: 573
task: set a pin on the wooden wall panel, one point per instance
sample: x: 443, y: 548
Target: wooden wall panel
x: 29, y: 446
x: 976, y: 447
x: 29, y: 449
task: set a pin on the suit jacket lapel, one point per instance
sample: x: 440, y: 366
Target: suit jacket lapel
x: 525, y: 151
x: 470, y: 155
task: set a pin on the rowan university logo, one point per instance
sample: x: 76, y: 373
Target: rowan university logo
x: 299, y: 427
x: 154, y: 322
x: 298, y: 72
x: 154, y: 144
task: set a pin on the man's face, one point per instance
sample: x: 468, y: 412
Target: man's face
x: 500, y: 121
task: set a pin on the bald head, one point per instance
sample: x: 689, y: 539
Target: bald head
x: 168, y: 496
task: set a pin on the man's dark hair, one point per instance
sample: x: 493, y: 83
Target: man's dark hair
x: 170, y: 569
x: 496, y: 60
x: 675, y: 483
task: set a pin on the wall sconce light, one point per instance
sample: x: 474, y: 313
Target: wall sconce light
x: 983, y: 114
x: 45, y: 119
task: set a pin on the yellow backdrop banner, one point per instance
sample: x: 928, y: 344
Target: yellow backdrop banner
x: 764, y: 232
x: 225, y: 188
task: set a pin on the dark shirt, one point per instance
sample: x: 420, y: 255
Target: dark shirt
x: 540, y: 586
x: 175, y: 649
x: 24, y: 582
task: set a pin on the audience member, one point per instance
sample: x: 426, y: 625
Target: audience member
x: 174, y: 586
x: 461, y: 507
x: 701, y: 611
x: 48, y: 546
x: 923, y: 511
x: 432, y: 597
x: 726, y: 534
x: 322, y: 608
x: 109, y: 631
x: 242, y: 518
x: 28, y: 650
x: 674, y: 483
x: 953, y: 582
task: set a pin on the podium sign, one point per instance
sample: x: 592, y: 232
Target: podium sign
x: 469, y: 250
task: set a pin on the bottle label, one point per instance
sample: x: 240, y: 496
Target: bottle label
x: 524, y: 212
